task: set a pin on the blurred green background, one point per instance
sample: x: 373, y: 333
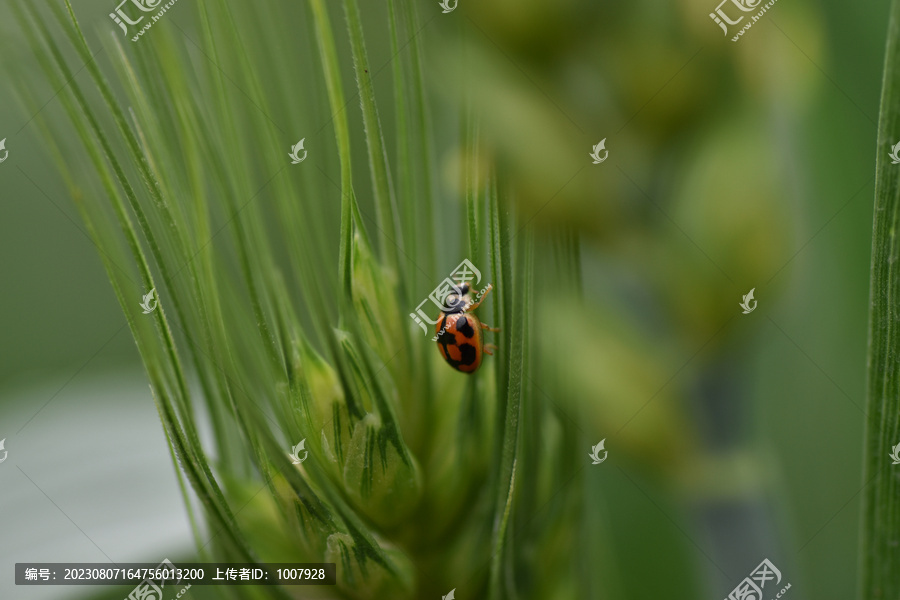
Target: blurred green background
x: 732, y: 166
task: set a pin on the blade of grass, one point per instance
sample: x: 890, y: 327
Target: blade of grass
x: 521, y: 309
x: 879, y: 551
x: 181, y: 432
x: 254, y: 258
x: 186, y: 421
x: 405, y: 172
x: 385, y: 202
x: 422, y: 122
x: 172, y: 84
x: 473, y: 184
x: 391, y: 244
x: 500, y: 265
x: 74, y: 32
x: 331, y: 69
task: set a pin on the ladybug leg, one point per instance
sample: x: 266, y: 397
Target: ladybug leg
x: 489, y: 328
x: 489, y: 348
x: 475, y: 305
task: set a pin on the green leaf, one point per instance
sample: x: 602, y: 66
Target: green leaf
x: 405, y: 171
x: 385, y: 202
x: 879, y: 549
x: 331, y: 69
x: 473, y: 185
x: 423, y: 128
x: 521, y: 313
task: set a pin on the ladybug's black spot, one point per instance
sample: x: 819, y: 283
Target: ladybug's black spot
x: 464, y: 327
x: 467, y: 354
x: 446, y: 356
x: 445, y: 337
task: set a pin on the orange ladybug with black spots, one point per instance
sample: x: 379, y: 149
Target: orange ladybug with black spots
x: 460, y: 333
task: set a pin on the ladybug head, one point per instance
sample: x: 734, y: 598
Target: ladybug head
x: 456, y: 301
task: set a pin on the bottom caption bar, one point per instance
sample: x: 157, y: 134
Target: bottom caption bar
x: 157, y: 576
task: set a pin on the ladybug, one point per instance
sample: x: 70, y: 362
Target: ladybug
x: 460, y: 335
